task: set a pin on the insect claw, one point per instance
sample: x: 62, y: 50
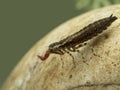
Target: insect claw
x: 111, y: 15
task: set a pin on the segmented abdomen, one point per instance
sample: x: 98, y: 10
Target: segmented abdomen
x: 88, y: 32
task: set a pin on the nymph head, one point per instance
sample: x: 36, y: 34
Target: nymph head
x: 55, y: 48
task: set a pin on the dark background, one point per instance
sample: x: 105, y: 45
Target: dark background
x: 24, y: 22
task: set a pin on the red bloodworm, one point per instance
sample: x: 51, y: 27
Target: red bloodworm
x: 45, y: 56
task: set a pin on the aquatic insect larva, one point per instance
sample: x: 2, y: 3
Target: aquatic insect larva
x: 74, y: 41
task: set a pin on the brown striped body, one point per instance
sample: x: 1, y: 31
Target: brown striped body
x: 87, y: 33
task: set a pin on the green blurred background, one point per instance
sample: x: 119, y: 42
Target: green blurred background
x: 24, y: 22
